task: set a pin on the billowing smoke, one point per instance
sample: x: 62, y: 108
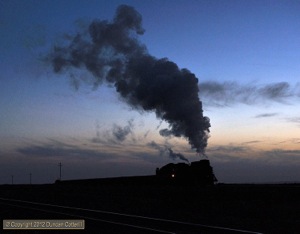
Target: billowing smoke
x: 111, y: 52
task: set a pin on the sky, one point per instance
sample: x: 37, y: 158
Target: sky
x: 245, y: 55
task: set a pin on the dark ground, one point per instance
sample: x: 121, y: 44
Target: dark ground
x: 261, y: 208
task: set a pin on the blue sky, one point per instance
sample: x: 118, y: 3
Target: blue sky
x: 245, y: 55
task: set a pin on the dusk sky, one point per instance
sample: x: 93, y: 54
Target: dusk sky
x: 245, y: 54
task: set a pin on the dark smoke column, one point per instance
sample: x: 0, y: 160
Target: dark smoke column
x: 111, y: 52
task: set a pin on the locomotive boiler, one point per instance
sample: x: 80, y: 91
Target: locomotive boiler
x: 198, y: 172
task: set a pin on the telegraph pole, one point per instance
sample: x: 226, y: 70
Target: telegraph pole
x: 60, y: 165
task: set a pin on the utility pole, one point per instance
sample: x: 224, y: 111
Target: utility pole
x: 30, y: 178
x: 60, y: 165
x: 12, y: 179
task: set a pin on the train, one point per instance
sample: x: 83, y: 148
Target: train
x: 197, y: 172
x: 194, y: 173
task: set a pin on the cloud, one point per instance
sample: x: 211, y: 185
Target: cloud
x: 80, y: 159
x: 294, y: 119
x: 66, y: 148
x: 283, y: 154
x: 223, y: 94
x: 255, y: 171
x: 265, y: 115
x: 231, y: 163
x: 250, y: 142
x: 74, y: 150
x: 228, y: 149
x: 289, y: 141
x: 277, y: 91
x: 246, y: 152
x: 244, y: 164
x: 85, y: 149
x: 60, y: 151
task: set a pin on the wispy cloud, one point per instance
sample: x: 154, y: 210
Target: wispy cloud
x: 231, y: 163
x: 266, y: 115
x: 294, y: 119
x: 80, y: 158
x: 228, y: 149
x: 85, y: 149
x: 250, y: 142
x: 245, y: 151
x: 228, y: 93
x: 283, y: 154
x: 292, y: 141
x: 60, y: 151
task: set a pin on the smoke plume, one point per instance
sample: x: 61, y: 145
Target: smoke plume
x: 165, y: 150
x: 120, y: 133
x: 176, y: 155
x: 228, y: 93
x: 111, y: 52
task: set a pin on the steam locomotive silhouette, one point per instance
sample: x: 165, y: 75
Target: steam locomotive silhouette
x: 195, y: 173
x: 198, y: 172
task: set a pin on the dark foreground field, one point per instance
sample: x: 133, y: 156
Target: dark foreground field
x: 260, y: 208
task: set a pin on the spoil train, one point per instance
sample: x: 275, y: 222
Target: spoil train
x: 198, y: 172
